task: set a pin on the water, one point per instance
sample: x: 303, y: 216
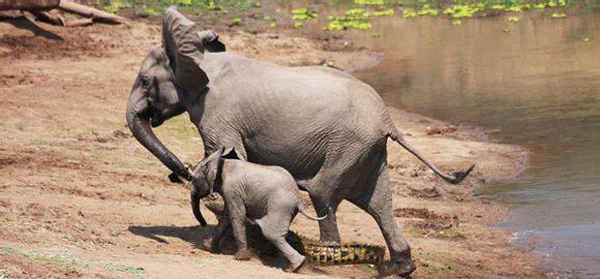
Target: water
x: 535, y: 83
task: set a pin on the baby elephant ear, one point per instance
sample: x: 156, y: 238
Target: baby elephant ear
x: 185, y: 50
x: 213, y: 168
x: 230, y: 153
x: 211, y: 42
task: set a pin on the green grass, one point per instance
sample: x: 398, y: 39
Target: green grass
x: 136, y: 272
x: 157, y: 7
x: 4, y: 274
x: 63, y: 259
x: 302, y: 15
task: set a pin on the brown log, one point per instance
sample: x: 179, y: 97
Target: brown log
x: 55, y: 19
x: 47, y: 17
x: 89, y: 12
x: 79, y: 22
x: 31, y: 5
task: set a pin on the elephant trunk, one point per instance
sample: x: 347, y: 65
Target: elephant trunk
x: 138, y: 119
x: 195, y: 202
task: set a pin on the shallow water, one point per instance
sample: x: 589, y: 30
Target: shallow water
x: 535, y: 83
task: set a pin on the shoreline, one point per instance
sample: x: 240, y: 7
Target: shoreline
x: 100, y: 194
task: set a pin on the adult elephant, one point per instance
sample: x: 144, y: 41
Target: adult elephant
x: 325, y: 127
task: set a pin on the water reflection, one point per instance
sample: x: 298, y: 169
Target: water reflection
x: 538, y: 83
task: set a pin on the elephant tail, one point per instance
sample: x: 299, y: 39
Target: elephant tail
x: 301, y: 210
x: 453, y: 178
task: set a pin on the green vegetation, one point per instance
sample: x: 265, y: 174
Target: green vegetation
x: 357, y: 18
x: 427, y: 10
x: 4, y: 274
x: 461, y: 11
x: 388, y: 12
x: 63, y: 260
x: 358, y: 14
x: 558, y: 15
x: 369, y: 2
x: 302, y: 15
x: 513, y: 19
x: 156, y: 7
x: 455, y: 10
x: 236, y: 21
x: 136, y: 272
x: 354, y: 19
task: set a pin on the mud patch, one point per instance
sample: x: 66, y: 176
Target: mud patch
x: 41, y: 41
x: 114, y: 136
x: 33, y: 158
x: 430, y: 224
x: 21, y: 78
x: 5, y: 204
x: 424, y: 193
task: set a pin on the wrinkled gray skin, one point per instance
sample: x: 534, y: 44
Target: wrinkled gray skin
x: 328, y: 129
x: 265, y: 195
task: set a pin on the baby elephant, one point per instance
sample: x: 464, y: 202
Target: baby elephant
x: 265, y: 195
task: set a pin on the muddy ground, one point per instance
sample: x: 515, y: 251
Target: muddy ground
x: 79, y: 197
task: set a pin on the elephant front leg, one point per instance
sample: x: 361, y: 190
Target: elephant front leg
x: 216, y: 205
x: 223, y: 228
x: 237, y: 212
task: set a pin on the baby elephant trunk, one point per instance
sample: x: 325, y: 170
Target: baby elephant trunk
x: 301, y: 210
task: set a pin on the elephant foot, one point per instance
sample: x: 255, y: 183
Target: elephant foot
x: 330, y: 238
x: 296, y: 266
x: 402, y: 268
x: 243, y: 255
x: 215, y: 246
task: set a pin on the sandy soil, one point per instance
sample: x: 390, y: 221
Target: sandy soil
x: 79, y: 197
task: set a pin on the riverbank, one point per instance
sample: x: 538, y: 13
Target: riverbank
x: 80, y: 197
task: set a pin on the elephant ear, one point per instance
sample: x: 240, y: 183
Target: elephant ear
x: 211, y: 42
x: 185, y: 50
x: 230, y: 153
x: 214, y: 165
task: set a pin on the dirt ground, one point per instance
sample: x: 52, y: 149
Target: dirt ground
x: 79, y: 197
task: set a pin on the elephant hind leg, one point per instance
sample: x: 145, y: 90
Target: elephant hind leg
x: 275, y: 227
x: 379, y: 206
x: 332, y: 184
x: 328, y: 228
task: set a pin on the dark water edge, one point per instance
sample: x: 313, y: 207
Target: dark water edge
x: 535, y: 85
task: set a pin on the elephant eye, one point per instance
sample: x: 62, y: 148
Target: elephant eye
x: 145, y: 81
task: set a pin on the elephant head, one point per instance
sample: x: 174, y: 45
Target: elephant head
x: 205, y: 178
x: 166, y: 76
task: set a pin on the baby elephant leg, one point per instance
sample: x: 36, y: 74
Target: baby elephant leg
x: 275, y: 228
